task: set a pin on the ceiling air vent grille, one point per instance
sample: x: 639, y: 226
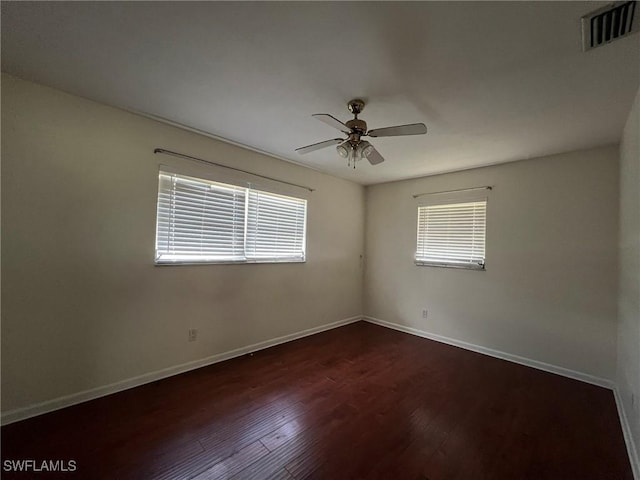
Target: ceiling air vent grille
x: 609, y: 23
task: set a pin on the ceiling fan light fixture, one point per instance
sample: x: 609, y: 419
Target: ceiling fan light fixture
x: 364, y: 149
x: 344, y: 149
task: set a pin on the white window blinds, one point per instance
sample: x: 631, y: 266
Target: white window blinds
x: 275, y: 226
x: 200, y: 221
x: 452, y: 234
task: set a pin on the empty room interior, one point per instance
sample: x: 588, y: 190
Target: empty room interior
x: 320, y: 240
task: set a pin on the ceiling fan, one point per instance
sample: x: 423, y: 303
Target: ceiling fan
x: 353, y: 148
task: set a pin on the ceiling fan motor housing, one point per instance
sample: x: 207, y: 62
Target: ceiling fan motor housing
x: 359, y: 126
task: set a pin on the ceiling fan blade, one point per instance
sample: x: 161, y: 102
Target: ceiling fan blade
x: 374, y: 157
x: 412, y: 129
x: 319, y: 145
x: 332, y: 121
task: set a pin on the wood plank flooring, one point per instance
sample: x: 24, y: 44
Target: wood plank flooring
x: 356, y: 402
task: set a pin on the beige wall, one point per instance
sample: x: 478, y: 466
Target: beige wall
x: 549, y: 290
x: 629, y: 282
x: 82, y: 303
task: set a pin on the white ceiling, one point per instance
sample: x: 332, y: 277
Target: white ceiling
x: 494, y: 82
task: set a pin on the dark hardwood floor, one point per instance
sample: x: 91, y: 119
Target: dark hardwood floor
x: 357, y: 402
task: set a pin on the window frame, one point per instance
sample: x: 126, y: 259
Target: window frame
x: 475, y: 266
x: 232, y: 183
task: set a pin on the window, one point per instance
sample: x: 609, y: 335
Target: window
x: 201, y: 221
x: 452, y: 234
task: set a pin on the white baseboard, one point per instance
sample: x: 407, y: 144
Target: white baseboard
x: 565, y: 372
x: 628, y: 437
x: 61, y: 402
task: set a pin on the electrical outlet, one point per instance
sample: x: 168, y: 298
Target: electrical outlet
x: 193, y: 334
x: 424, y: 313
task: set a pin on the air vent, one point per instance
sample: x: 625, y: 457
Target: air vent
x: 609, y: 23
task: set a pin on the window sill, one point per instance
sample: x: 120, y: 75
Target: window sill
x: 459, y: 266
x: 177, y: 263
